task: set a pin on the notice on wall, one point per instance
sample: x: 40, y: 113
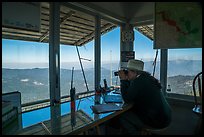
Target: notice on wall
x: 127, y: 55
x: 21, y: 15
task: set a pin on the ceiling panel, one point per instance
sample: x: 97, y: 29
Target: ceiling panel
x: 76, y: 27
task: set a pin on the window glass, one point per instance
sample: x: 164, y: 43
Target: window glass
x: 69, y: 58
x: 110, y: 57
x: 144, y: 51
x: 183, y: 65
x: 25, y: 69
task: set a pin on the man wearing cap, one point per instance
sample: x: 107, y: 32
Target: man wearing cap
x: 150, y: 109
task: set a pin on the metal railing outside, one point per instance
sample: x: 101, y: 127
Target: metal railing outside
x: 46, y: 102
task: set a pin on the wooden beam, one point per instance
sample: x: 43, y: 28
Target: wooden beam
x: 69, y: 14
x: 91, y: 35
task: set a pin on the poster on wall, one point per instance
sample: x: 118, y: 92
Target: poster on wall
x: 178, y: 25
x: 127, y: 55
x: 21, y: 15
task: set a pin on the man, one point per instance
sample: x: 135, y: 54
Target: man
x: 150, y: 109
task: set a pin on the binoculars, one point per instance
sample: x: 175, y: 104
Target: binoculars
x: 125, y: 71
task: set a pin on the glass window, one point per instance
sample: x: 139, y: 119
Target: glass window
x: 25, y: 69
x: 183, y: 65
x: 144, y: 51
x: 69, y: 58
x: 110, y: 57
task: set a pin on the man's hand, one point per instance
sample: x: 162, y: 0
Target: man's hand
x: 122, y: 75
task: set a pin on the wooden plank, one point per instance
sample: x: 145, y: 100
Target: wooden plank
x: 100, y: 121
x: 65, y: 127
x: 20, y: 38
x: 14, y: 30
x: 73, y: 17
x: 90, y: 36
x: 69, y: 35
x: 66, y: 122
x: 19, y: 35
x: 31, y: 130
x: 75, y: 29
x: 64, y: 10
x: 78, y: 29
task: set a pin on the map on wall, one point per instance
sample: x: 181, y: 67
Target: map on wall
x: 178, y: 25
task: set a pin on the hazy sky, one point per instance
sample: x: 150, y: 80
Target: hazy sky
x: 15, y: 51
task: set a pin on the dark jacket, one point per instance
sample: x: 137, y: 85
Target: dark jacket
x: 149, y: 103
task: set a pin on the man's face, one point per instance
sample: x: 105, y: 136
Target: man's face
x: 131, y: 74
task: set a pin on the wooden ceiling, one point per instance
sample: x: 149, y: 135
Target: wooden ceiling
x: 76, y: 28
x: 147, y: 30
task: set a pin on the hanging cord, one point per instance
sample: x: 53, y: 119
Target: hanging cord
x: 82, y: 73
x: 154, y: 63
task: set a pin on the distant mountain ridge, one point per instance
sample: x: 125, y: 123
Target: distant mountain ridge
x: 34, y: 83
x: 175, y: 67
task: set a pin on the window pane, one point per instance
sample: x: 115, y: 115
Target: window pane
x: 183, y: 65
x: 110, y: 57
x: 69, y: 59
x: 144, y: 51
x: 25, y: 69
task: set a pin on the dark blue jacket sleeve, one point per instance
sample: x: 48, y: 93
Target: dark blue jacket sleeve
x: 129, y: 90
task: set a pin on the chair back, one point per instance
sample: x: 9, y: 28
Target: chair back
x: 197, y: 91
